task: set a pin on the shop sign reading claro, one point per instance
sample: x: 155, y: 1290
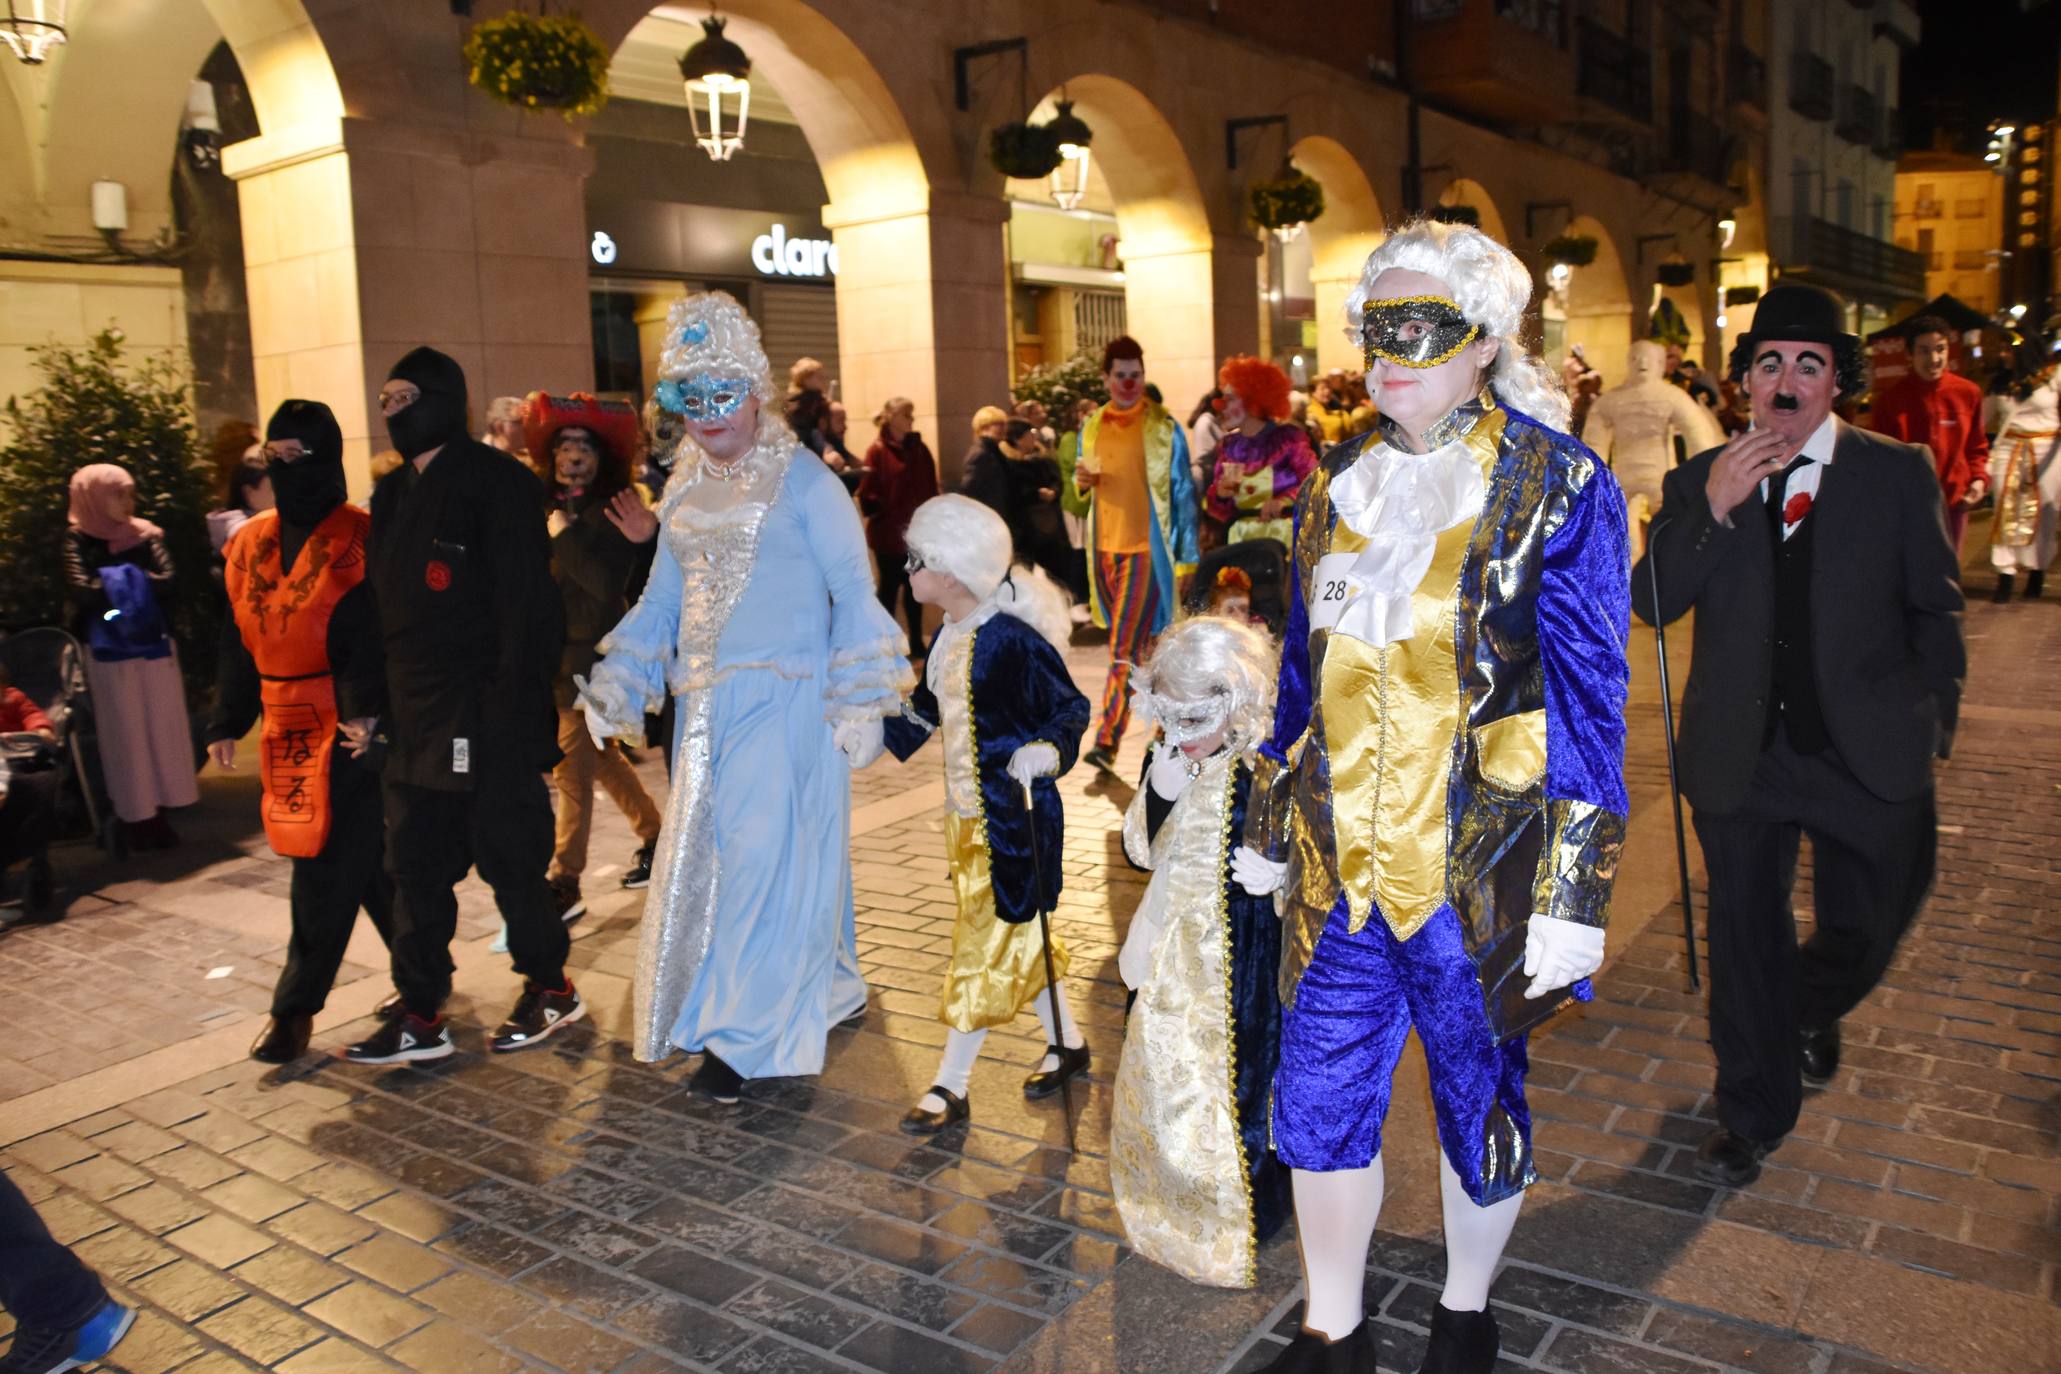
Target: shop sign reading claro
x: 777, y: 255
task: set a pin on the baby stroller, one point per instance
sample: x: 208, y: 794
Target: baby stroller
x: 48, y: 667
x: 1261, y: 565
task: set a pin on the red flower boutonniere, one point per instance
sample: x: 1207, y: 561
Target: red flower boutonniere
x: 1796, y: 507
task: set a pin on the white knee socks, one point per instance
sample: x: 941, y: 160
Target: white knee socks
x: 1335, y: 1215
x: 956, y: 1069
x: 1475, y: 1237
x: 1068, y: 1033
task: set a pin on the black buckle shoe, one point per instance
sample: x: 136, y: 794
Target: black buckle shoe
x: 1729, y: 1159
x: 956, y: 1110
x: 716, y: 1081
x: 1818, y: 1053
x: 1310, y: 1353
x: 284, y: 1039
x: 1461, y: 1342
x: 539, y: 1014
x: 406, y: 1039
x: 1045, y: 1082
x: 639, y: 874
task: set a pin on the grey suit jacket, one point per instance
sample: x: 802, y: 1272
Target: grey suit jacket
x: 1885, y: 615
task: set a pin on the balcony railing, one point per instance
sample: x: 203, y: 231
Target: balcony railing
x: 1889, y: 134
x: 1856, y: 121
x: 1856, y: 262
x: 1696, y: 147
x: 1749, y: 77
x: 1615, y: 72
x: 1930, y: 209
x: 1810, y: 86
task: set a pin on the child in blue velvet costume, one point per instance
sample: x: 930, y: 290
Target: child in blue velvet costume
x: 997, y: 693
x: 1190, y: 1162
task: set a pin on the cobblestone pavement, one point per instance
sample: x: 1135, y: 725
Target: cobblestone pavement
x: 571, y: 1210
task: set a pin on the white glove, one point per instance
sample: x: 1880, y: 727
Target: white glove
x: 1557, y: 953
x: 1168, y: 773
x: 606, y: 707
x: 1037, y: 760
x: 1255, y: 872
x: 863, y: 741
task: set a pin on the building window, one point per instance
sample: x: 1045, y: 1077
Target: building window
x: 1843, y: 205
x: 1098, y: 317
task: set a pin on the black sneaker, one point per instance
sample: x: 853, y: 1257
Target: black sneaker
x: 716, y: 1081
x: 538, y: 1013
x: 392, y: 1009
x: 50, y: 1350
x: 640, y: 869
x: 406, y: 1039
x: 565, y: 895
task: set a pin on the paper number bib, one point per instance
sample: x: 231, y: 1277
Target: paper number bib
x: 1330, y: 591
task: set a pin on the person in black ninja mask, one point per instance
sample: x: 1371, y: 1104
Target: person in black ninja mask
x: 460, y: 570
x: 302, y: 649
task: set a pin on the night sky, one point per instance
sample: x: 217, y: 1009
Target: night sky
x: 1978, y: 61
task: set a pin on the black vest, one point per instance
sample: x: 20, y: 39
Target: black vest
x: 1793, y: 695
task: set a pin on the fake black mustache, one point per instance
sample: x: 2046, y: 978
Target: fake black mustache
x: 1784, y: 401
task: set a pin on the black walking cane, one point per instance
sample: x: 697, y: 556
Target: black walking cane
x: 1674, y: 787
x: 1030, y: 813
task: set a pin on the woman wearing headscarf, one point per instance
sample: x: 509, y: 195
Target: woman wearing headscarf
x: 760, y: 621
x: 118, y: 575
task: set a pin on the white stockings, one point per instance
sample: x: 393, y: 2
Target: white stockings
x: 1068, y: 1034
x: 1475, y: 1237
x: 962, y: 1048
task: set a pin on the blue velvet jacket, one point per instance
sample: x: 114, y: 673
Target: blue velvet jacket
x: 1021, y: 694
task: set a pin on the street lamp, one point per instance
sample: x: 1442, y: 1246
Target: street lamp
x: 1728, y: 229
x: 33, y: 27
x: 1070, y: 178
x: 717, y: 71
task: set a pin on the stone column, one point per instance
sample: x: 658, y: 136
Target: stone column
x: 1334, y: 349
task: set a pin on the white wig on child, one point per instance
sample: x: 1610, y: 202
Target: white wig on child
x: 1490, y: 285
x: 964, y: 539
x: 1209, y: 672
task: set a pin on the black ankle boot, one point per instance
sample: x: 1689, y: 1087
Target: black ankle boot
x: 2035, y: 583
x: 1310, y: 1353
x: 2003, y: 592
x: 1461, y: 1342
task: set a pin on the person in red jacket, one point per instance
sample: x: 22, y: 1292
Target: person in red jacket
x: 900, y: 476
x: 1943, y: 411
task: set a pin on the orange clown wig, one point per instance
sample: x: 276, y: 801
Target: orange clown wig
x: 1261, y: 385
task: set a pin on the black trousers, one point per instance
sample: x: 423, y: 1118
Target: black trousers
x: 1872, y: 865
x: 432, y: 838
x: 42, y: 1283
x: 26, y: 814
x: 894, y: 581
x: 328, y: 890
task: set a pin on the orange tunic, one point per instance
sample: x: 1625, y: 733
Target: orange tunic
x: 1123, y: 502
x: 284, y: 620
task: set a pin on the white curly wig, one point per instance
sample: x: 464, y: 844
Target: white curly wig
x: 958, y: 536
x: 709, y: 334
x: 1215, y: 663
x: 1491, y: 286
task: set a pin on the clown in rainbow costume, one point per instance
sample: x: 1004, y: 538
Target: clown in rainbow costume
x: 1441, y: 806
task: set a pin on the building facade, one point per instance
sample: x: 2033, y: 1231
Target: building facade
x: 1950, y: 211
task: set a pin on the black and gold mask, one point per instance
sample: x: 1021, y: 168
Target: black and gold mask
x: 1415, y: 331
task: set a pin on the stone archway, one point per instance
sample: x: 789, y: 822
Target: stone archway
x: 1598, y: 306
x: 1351, y: 227
x: 1475, y: 196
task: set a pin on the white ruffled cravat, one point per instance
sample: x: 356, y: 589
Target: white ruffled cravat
x: 1400, y: 503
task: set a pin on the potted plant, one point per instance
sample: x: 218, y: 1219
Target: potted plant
x: 1741, y: 295
x: 1570, y: 250
x: 1290, y: 198
x: 1456, y: 214
x: 1677, y: 270
x: 539, y: 62
x: 1023, y: 151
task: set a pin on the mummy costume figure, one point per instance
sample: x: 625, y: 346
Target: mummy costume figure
x: 759, y: 618
x: 1441, y: 806
x: 1194, y: 1175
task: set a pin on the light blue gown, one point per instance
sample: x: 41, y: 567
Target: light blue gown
x: 748, y: 949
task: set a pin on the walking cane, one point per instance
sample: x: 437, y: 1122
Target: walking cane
x: 1045, y: 937
x: 1674, y: 787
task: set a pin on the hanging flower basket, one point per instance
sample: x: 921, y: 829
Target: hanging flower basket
x: 1023, y: 152
x: 1456, y: 214
x: 1571, y: 250
x: 1291, y: 198
x: 539, y: 62
x: 1741, y: 295
x: 1677, y: 271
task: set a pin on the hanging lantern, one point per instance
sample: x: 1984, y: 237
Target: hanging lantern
x: 718, y: 77
x: 1070, y: 178
x: 33, y: 27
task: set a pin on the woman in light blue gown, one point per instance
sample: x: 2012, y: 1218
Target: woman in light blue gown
x: 760, y: 619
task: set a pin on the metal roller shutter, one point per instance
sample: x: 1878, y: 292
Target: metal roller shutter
x: 798, y: 322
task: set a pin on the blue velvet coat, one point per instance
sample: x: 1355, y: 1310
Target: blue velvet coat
x: 1021, y: 694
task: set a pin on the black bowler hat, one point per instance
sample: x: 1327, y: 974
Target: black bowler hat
x: 1807, y: 314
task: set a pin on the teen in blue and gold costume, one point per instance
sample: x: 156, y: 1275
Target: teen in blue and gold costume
x: 1442, y: 804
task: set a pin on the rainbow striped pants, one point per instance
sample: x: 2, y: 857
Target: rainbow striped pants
x: 1130, y: 600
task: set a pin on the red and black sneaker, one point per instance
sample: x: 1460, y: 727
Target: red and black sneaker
x: 404, y: 1039
x: 538, y: 1013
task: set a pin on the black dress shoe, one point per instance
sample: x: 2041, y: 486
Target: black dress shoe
x: 284, y: 1039
x: 2035, y: 584
x: 1102, y: 759
x: 1461, y: 1342
x: 1045, y: 1082
x: 716, y: 1081
x: 920, y: 1122
x: 1310, y: 1353
x: 1729, y: 1159
x: 1819, y: 1053
x: 2002, y: 595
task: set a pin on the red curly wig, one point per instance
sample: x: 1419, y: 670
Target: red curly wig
x: 1261, y: 385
